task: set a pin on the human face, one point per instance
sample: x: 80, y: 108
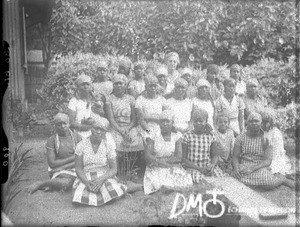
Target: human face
x: 97, y: 133
x: 252, y: 89
x: 222, y: 124
x: 266, y: 125
x: 203, y: 92
x: 162, y: 79
x: 151, y: 89
x: 165, y: 125
x: 102, y: 74
x: 61, y: 128
x: 187, y: 77
x: 172, y: 63
x: 119, y: 87
x: 229, y: 88
x: 180, y: 91
x: 84, y: 87
x: 254, y: 125
x: 138, y: 72
x: 199, y: 124
x: 124, y: 70
x: 149, y: 71
x: 211, y: 76
x: 234, y: 73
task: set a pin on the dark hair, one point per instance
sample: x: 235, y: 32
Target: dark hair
x: 222, y: 114
x: 213, y: 68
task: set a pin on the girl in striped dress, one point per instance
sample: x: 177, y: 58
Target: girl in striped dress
x: 95, y: 165
x: 199, y: 149
x: 252, y: 157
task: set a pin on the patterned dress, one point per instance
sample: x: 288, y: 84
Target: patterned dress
x: 252, y: 153
x: 121, y: 108
x: 94, y: 166
x: 199, y: 153
x: 156, y: 177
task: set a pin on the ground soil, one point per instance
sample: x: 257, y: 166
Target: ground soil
x: 55, y: 208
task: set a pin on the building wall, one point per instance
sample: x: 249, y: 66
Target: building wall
x: 12, y: 33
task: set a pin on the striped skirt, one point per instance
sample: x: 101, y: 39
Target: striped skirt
x: 54, y: 174
x: 110, y: 190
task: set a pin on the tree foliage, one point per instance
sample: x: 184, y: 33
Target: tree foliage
x: 200, y: 31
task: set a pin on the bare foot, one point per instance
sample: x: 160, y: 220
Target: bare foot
x: 133, y: 187
x: 34, y: 187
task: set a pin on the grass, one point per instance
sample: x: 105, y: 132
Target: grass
x: 17, y: 159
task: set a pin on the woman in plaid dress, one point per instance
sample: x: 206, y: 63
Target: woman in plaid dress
x: 199, y: 148
x: 252, y: 156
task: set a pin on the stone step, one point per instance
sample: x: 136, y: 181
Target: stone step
x: 249, y: 202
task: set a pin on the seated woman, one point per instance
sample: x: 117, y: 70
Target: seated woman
x: 60, y: 157
x: 280, y: 162
x: 199, y: 148
x: 121, y: 115
x: 163, y: 155
x: 181, y: 106
x: 252, y: 157
x: 96, y: 168
x: 233, y: 105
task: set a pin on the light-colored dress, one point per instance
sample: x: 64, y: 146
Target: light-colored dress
x: 165, y: 91
x: 156, y: 177
x: 96, y: 165
x: 240, y: 88
x: 252, y: 153
x: 83, y: 111
x: 226, y: 141
x: 63, y: 147
x: 280, y: 162
x: 182, y: 110
x: 121, y: 108
x: 104, y: 88
x: 172, y: 77
x: 137, y: 86
x: 199, y: 153
x: 215, y: 91
x: 151, y: 108
x: 232, y: 109
x: 205, y: 105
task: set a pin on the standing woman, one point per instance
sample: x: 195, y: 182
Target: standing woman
x: 102, y: 84
x: 80, y: 107
x: 149, y: 106
x: 121, y: 114
x: 165, y: 87
x: 233, y: 105
x: 172, y: 61
x: 181, y: 106
x: 96, y: 168
x: 235, y: 74
x: 204, y: 100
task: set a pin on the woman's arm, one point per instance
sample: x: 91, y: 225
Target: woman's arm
x: 56, y: 163
x: 241, y: 120
x: 214, y: 154
x: 111, y: 118
x: 177, y: 154
x: 150, y: 157
x: 80, y: 172
x: 187, y: 162
x: 133, y: 119
x: 235, y: 161
x: 141, y: 120
x: 112, y: 163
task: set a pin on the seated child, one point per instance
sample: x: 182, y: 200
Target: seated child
x: 225, y: 138
x: 199, y: 149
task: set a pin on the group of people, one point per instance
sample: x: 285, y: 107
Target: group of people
x: 180, y: 127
